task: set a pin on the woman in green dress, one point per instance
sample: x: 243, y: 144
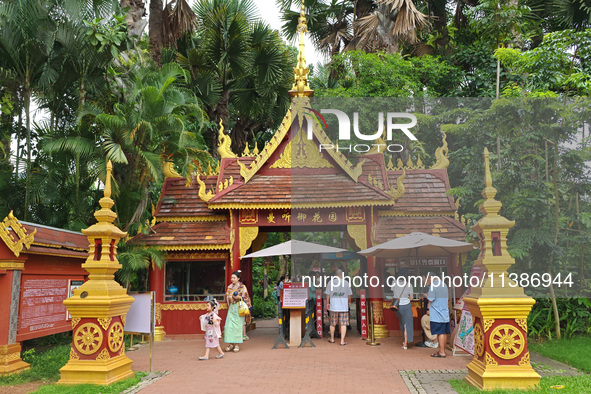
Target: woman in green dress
x: 233, y: 330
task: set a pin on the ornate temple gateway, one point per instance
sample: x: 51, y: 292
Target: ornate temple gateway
x: 288, y: 186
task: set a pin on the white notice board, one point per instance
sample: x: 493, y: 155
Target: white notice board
x: 295, y: 295
x: 140, y: 318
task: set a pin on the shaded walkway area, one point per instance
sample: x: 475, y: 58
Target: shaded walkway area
x: 257, y: 368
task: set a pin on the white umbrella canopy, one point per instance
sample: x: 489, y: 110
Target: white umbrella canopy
x: 294, y: 247
x: 417, y: 245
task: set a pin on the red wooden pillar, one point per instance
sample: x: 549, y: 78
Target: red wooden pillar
x: 10, y: 349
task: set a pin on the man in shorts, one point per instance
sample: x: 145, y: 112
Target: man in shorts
x: 439, y: 312
x: 338, y: 298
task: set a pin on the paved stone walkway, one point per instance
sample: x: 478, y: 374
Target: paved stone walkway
x: 257, y: 368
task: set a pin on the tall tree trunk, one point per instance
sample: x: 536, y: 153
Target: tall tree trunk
x: 27, y: 98
x: 156, y: 31
x: 440, y: 23
x: 556, y: 222
x: 18, y: 134
x: 581, y: 245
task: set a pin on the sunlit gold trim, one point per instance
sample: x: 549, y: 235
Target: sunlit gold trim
x: 193, y: 247
x: 210, y: 218
x: 418, y: 213
x: 312, y: 205
x: 248, y: 172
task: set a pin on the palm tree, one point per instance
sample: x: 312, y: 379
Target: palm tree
x: 390, y: 23
x: 26, y: 44
x: 239, y: 68
x: 157, y: 120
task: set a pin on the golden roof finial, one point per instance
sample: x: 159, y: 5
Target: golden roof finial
x: 224, y: 142
x: 301, y: 72
x: 489, y: 191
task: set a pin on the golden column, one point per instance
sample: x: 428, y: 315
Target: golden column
x: 499, y: 307
x: 99, y: 306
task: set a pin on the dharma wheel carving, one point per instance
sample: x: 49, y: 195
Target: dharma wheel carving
x: 88, y: 338
x: 507, y: 342
x: 478, y: 340
x: 115, y: 337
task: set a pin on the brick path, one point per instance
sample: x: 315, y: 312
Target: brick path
x: 257, y: 368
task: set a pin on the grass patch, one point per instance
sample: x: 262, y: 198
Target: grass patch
x: 572, y: 384
x: 572, y: 351
x: 46, y: 356
x: 45, y: 366
x: 114, y: 388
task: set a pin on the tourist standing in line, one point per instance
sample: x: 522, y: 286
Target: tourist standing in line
x: 210, y: 323
x: 403, y: 290
x: 338, y: 299
x: 439, y: 312
x: 235, y: 329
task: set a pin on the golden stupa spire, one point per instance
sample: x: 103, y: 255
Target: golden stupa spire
x: 301, y: 71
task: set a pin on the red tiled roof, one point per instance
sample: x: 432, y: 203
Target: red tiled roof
x: 425, y: 191
x: 55, y: 241
x: 186, y: 233
x: 304, y: 188
x: 178, y: 200
x: 390, y: 227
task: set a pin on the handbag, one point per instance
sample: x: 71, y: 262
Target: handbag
x: 243, y: 308
x: 396, y: 301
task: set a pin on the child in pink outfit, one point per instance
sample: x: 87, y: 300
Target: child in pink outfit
x: 210, y: 323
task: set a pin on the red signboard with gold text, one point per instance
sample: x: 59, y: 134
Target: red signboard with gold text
x: 41, y: 309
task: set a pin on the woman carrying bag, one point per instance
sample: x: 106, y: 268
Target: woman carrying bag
x: 401, y: 305
x: 236, y: 296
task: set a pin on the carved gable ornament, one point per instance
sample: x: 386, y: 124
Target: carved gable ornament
x: 24, y: 240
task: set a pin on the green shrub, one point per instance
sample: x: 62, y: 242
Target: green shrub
x: 575, y: 318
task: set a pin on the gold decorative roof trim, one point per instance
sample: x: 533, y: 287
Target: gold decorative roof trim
x: 224, y: 144
x: 193, y: 247
x: 311, y: 205
x: 177, y: 219
x: 60, y: 255
x: 196, y: 255
x: 408, y: 166
x: 248, y: 172
x: 169, y: 171
x: 441, y: 155
x: 419, y: 213
x: 197, y: 306
x: 307, y: 155
x: 400, y: 189
x: 24, y: 239
x: 342, y: 161
x: 204, y: 195
x: 59, y: 246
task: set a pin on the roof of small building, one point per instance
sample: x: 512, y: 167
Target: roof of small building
x: 187, y: 235
x: 390, y: 227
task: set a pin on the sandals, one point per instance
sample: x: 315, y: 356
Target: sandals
x: 203, y: 358
x: 245, y: 338
x: 329, y: 341
x: 229, y: 348
x: 236, y: 349
x: 220, y: 356
x: 344, y: 343
x: 437, y: 355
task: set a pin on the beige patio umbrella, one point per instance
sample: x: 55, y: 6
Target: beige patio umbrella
x: 294, y: 247
x: 417, y: 245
